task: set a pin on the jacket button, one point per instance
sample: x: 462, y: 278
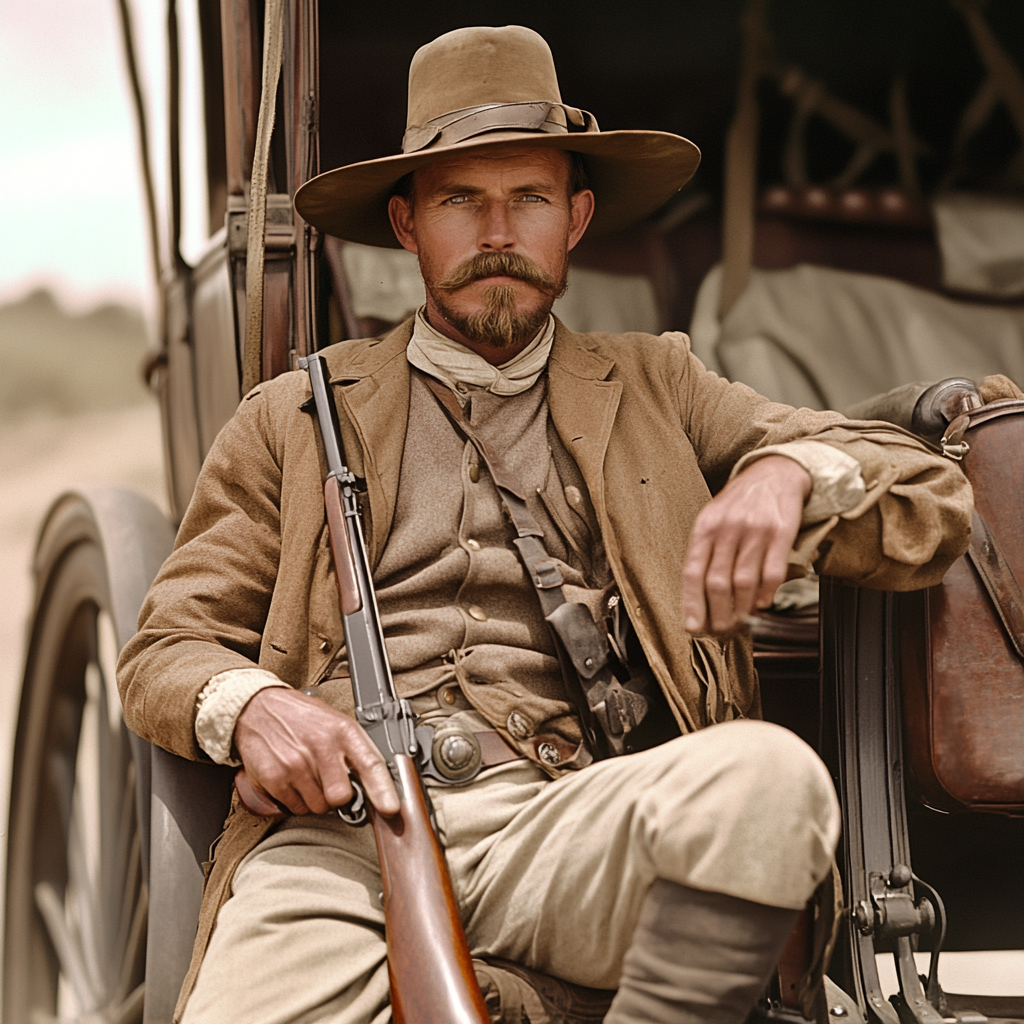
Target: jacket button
x: 518, y: 727
x: 474, y: 473
x: 324, y: 644
x: 477, y: 613
x: 447, y: 694
x: 573, y: 496
x: 473, y: 545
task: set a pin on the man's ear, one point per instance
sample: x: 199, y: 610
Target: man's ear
x: 581, y: 211
x: 400, y: 213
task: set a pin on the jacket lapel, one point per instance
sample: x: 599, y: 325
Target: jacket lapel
x: 583, y: 404
x: 371, y: 380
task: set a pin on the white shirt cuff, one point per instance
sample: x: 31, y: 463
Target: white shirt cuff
x: 836, y: 481
x: 219, y: 704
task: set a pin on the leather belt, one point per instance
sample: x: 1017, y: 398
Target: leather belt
x: 494, y: 750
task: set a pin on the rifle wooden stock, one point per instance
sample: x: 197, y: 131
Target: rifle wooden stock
x: 341, y: 549
x: 431, y: 971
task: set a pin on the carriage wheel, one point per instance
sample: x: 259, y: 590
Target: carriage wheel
x: 75, y: 930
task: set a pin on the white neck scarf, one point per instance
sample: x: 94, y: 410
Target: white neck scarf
x: 452, y: 363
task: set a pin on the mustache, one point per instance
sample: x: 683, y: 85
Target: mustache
x: 499, y: 264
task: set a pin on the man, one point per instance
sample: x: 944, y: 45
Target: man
x: 673, y: 874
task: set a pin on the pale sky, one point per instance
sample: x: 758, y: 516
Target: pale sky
x: 71, y: 203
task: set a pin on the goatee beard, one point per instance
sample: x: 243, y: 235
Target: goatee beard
x: 500, y: 323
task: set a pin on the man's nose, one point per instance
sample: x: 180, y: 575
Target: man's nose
x: 496, y: 234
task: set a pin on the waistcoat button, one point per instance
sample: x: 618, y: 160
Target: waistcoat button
x: 477, y: 613
x: 548, y: 753
x: 518, y: 726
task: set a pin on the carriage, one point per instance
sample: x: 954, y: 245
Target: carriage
x: 856, y: 158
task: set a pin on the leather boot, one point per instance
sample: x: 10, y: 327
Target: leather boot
x: 698, y: 957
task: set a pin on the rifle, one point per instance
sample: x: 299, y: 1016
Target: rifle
x: 430, y: 969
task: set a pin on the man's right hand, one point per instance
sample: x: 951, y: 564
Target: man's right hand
x: 301, y: 752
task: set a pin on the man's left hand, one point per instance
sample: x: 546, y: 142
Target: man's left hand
x: 740, y: 543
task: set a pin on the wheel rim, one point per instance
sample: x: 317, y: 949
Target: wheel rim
x: 76, y: 918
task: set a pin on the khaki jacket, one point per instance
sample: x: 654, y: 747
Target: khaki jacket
x: 654, y: 434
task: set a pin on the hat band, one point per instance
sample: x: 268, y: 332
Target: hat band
x: 459, y: 125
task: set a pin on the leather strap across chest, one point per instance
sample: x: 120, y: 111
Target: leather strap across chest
x: 589, y: 665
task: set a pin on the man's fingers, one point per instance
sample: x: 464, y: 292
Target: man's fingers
x: 718, y: 583
x: 336, y: 782
x: 368, y: 764
x: 748, y: 573
x: 694, y: 599
x: 776, y: 564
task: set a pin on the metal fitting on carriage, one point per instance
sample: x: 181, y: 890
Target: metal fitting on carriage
x: 892, y: 913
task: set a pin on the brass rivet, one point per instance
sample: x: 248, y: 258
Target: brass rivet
x: 477, y: 613
x: 474, y: 473
x: 473, y: 545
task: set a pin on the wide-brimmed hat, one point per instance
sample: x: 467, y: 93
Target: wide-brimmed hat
x: 478, y: 87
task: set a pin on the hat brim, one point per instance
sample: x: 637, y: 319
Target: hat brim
x: 632, y: 173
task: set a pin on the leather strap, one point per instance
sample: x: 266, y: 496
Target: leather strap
x: 583, y: 652
x: 459, y: 125
x: 493, y: 748
x: 999, y: 581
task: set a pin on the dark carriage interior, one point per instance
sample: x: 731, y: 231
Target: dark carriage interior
x: 672, y: 66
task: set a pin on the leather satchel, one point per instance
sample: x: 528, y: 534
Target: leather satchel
x: 962, y: 642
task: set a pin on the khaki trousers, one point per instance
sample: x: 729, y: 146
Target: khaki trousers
x: 550, y: 874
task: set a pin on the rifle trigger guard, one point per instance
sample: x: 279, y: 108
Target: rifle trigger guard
x: 354, y: 812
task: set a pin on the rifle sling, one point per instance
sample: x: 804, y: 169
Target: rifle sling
x: 999, y: 581
x: 584, y: 654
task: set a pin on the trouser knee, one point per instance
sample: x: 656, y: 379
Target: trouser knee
x: 747, y: 808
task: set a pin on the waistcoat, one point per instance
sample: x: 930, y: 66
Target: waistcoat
x: 461, y: 620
